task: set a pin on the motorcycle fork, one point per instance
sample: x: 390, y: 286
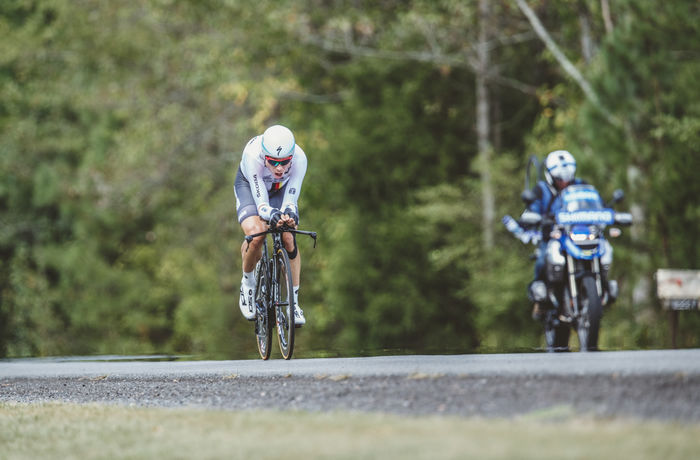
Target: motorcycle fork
x: 571, y: 268
x: 598, y: 278
x: 595, y: 269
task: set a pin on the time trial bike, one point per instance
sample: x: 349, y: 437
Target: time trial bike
x: 274, y: 293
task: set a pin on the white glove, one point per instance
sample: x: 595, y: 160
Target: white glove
x: 529, y: 236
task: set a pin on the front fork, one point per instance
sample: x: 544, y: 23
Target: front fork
x: 262, y: 281
x: 598, y: 276
x: 573, y: 289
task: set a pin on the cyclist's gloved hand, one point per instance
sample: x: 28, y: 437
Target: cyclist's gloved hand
x: 293, y: 215
x: 275, y: 216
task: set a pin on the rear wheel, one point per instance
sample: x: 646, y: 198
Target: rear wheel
x: 591, y: 313
x: 263, y: 319
x: 283, y: 300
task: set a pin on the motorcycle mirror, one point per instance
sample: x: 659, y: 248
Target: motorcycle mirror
x: 614, y: 232
x: 528, y: 196
x: 618, y: 195
x: 623, y: 218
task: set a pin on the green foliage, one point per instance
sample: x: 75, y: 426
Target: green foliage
x: 371, y: 179
x: 117, y: 158
x: 642, y: 72
x: 121, y: 126
x: 648, y: 79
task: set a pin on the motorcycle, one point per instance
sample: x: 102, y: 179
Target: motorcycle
x: 576, y: 286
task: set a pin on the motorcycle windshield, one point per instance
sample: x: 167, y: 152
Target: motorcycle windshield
x: 581, y: 204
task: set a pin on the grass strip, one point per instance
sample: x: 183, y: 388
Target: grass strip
x: 57, y: 430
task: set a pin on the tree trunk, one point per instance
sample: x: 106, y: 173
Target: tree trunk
x: 586, y: 36
x: 607, y: 19
x: 483, y: 125
x: 566, y: 65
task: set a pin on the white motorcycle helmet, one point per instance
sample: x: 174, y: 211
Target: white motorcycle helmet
x: 559, y: 165
x: 278, y: 142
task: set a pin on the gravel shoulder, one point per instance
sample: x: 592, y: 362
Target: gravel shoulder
x: 655, y: 397
x: 646, y: 384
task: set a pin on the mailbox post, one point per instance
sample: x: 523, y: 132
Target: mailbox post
x: 678, y: 290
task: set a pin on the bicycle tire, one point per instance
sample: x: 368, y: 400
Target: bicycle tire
x: 263, y: 322
x: 283, y: 300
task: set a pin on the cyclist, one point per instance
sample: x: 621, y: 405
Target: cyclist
x: 267, y: 189
x: 559, y: 173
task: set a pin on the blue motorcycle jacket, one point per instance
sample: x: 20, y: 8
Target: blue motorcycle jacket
x: 547, y: 199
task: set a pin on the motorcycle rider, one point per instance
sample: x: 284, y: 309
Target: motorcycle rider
x: 559, y: 173
x: 267, y: 188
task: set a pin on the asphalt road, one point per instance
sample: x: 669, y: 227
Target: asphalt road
x: 654, y: 384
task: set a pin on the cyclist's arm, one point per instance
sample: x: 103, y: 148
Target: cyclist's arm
x: 296, y: 178
x: 253, y: 168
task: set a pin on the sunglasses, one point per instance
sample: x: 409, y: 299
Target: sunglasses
x: 274, y: 162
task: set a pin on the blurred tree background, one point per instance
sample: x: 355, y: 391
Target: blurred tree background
x: 122, y: 124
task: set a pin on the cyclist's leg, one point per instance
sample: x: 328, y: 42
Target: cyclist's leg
x: 252, y: 253
x: 289, y: 242
x: 290, y: 245
x: 250, y: 222
x: 295, y: 267
x: 288, y: 239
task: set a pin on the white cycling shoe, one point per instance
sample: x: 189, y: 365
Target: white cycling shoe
x: 245, y: 303
x: 299, y: 319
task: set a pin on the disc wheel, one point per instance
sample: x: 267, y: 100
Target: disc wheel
x: 283, y: 301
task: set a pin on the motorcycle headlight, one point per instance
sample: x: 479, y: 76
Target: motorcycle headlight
x: 578, y: 237
x: 581, y: 234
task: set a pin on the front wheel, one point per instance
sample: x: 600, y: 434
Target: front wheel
x: 591, y: 313
x: 263, y: 319
x: 283, y: 300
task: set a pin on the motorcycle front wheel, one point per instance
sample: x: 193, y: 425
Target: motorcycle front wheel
x: 591, y: 313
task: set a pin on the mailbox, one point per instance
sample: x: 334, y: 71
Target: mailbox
x: 678, y: 290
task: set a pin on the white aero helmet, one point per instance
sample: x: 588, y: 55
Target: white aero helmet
x: 278, y: 142
x: 561, y: 165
